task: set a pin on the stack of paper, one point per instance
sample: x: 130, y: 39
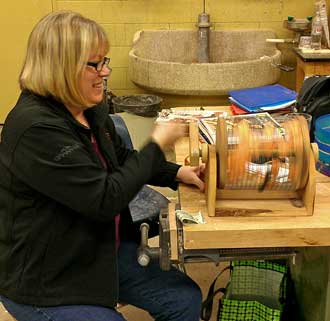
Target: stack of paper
x: 207, y: 120
x: 186, y: 115
x: 265, y: 98
x: 207, y: 129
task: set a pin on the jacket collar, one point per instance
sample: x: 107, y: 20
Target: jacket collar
x: 95, y: 115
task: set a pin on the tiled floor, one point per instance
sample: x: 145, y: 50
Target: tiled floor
x: 202, y: 273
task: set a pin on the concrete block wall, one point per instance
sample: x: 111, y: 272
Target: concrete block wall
x: 122, y: 18
x: 17, y: 18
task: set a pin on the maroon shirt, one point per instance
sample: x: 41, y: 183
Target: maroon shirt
x: 117, y: 217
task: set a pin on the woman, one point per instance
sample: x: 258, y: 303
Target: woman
x: 67, y: 242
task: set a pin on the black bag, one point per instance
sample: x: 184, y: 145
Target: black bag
x: 314, y: 98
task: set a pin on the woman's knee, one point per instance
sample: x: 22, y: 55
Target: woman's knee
x: 188, y: 300
x: 190, y: 296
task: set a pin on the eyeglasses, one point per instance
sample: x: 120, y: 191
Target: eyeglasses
x: 99, y: 65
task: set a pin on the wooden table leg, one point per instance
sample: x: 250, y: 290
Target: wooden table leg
x: 311, y: 275
x: 310, y: 68
x: 300, y: 74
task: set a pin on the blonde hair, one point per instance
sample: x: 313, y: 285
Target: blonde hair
x: 58, y: 49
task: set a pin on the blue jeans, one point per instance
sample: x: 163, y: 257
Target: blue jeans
x: 166, y: 295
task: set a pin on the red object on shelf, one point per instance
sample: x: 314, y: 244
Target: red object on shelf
x: 240, y: 111
x: 237, y: 110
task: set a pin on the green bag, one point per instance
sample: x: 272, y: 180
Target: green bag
x: 236, y: 310
x: 256, y: 292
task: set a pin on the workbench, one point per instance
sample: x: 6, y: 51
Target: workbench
x: 309, y: 236
x: 310, y: 64
x: 240, y: 231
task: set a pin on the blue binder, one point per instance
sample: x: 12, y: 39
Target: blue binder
x: 255, y: 98
x: 273, y: 107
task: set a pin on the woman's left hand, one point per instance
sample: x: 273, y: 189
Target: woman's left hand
x: 193, y: 175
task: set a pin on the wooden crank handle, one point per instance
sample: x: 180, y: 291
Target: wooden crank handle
x: 193, y: 143
x: 196, y: 151
x: 315, y: 149
x: 204, y: 151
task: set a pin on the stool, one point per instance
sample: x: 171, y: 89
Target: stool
x: 310, y: 64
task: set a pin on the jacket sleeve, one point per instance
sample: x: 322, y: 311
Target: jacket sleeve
x: 165, y: 175
x: 53, y: 161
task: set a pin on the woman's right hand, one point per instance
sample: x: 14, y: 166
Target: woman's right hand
x: 166, y: 133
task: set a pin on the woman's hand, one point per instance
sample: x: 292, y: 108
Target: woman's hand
x: 193, y: 175
x: 166, y: 133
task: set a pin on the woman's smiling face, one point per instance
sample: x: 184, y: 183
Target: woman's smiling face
x: 91, y: 81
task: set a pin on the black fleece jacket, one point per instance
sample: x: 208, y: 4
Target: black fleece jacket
x: 58, y: 203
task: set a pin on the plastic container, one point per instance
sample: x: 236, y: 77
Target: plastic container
x: 322, y: 137
x: 141, y: 105
x: 305, y: 42
x: 324, y: 157
x: 323, y: 168
x: 322, y: 129
x: 322, y: 146
x: 316, y: 32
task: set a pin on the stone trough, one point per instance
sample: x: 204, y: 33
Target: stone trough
x: 165, y: 61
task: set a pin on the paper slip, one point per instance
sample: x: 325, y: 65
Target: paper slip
x: 186, y: 218
x: 186, y: 116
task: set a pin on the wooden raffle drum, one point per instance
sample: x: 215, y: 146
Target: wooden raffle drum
x: 236, y: 183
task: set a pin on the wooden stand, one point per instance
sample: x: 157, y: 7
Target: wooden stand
x: 238, y: 202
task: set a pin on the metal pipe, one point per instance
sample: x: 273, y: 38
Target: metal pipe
x: 144, y: 252
x: 203, y: 37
